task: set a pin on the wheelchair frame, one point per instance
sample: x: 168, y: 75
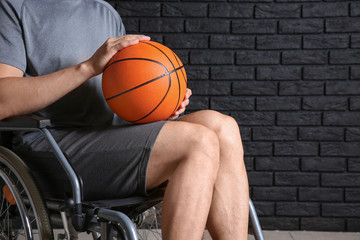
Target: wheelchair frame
x: 103, y: 215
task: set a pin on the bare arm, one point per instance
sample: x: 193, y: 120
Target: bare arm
x: 21, y: 95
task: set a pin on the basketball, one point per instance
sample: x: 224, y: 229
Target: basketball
x: 145, y: 82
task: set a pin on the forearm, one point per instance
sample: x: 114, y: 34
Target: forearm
x: 21, y: 95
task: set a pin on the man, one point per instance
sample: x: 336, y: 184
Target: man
x: 51, y: 58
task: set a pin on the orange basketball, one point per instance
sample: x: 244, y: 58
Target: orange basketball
x: 145, y: 82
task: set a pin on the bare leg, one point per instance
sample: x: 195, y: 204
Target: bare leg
x: 188, y: 155
x: 228, y: 217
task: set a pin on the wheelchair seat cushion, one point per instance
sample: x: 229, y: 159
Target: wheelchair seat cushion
x: 111, y: 161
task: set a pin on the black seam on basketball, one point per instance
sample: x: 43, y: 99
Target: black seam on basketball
x: 143, y: 84
x: 144, y: 59
x: 181, y: 69
x: 158, y: 103
x: 177, y: 76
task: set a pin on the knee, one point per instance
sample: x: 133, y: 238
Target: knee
x: 227, y: 130
x: 204, y: 149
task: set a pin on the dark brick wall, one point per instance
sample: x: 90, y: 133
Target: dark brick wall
x: 289, y: 72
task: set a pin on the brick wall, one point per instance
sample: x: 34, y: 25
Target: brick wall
x: 289, y: 72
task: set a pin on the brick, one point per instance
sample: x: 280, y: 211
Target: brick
x: 274, y: 133
x: 343, y: 88
x: 341, y: 118
x: 277, y: 164
x: 352, y: 195
x: 260, y: 178
x: 207, y: 26
x: 298, y: 119
x: 232, y: 103
x: 301, y: 26
x: 184, y: 10
x: 342, y: 25
x: 322, y: 224
x: 231, y: 10
x: 304, y: 57
x: 355, y: 72
x: 345, y: 56
x: 277, y: 11
x: 249, y: 163
x: 320, y: 194
x: 295, y: 149
x: 161, y: 25
x: 197, y: 72
x: 297, y: 209
x: 148, y: 9
x: 326, y: 73
x: 353, y: 225
x: 354, y: 165
x: 301, y: 88
x: 264, y: 208
x: 245, y: 133
x: 274, y: 193
x: 198, y: 103
x: 296, y: 179
x: 355, y: 10
x: 254, y: 118
x: 211, y: 57
x: 254, y: 26
x: 323, y: 164
x: 321, y: 134
x: 298, y: 0
x: 232, y: 73
x: 327, y: 103
x: 263, y: 88
x: 280, y: 223
x: 325, y: 10
x: 231, y: 41
x: 256, y: 1
x: 355, y: 41
x: 186, y: 41
x: 325, y: 41
x: 340, y: 179
x: 257, y: 148
x: 209, y: 88
x: 341, y: 210
x: 131, y: 25
x: 257, y: 57
x: 278, y: 73
x: 278, y: 42
x: 183, y: 55
x: 350, y: 149
x: 352, y: 134
x: 277, y: 103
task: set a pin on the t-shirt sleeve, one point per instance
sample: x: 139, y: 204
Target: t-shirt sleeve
x: 12, y: 47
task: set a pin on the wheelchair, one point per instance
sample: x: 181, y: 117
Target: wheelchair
x: 33, y: 205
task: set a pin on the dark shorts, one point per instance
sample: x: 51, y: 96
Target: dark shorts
x: 111, y: 161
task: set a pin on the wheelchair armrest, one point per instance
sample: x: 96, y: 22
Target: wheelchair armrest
x: 25, y: 122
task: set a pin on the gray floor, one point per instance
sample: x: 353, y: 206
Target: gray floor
x: 287, y: 235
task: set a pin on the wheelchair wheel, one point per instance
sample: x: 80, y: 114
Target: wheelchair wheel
x: 22, y: 210
x: 148, y: 223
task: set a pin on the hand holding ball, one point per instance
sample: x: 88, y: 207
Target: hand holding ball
x: 145, y: 82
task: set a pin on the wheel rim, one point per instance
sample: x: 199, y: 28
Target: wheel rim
x: 149, y: 223
x: 9, y: 213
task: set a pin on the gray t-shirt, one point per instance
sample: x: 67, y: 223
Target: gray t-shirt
x: 44, y: 36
